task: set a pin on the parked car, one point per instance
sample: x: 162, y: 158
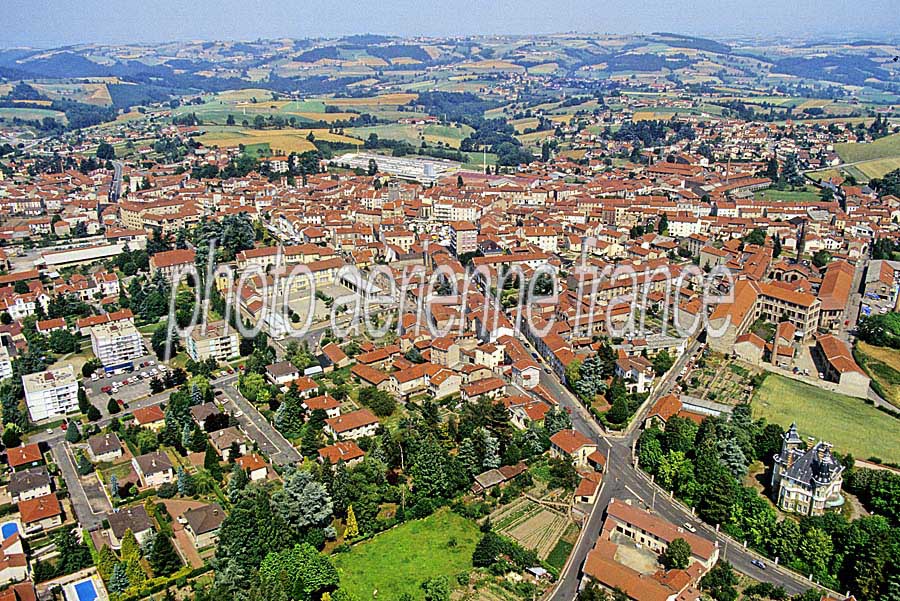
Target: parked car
x: 143, y: 374
x: 106, y: 389
x: 94, y: 377
x: 689, y: 527
x: 758, y: 564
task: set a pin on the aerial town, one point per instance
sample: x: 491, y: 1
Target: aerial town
x: 595, y: 317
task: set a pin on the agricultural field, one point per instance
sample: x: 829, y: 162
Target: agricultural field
x: 887, y: 147
x: 277, y: 140
x: 883, y: 366
x: 250, y: 103
x: 850, y: 424
x: 435, y: 135
x: 532, y: 525
x: 30, y: 114
x: 399, y: 560
x: 88, y: 93
x: 878, y: 167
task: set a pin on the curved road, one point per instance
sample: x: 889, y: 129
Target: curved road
x: 622, y: 480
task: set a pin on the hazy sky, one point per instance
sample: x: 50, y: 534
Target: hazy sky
x: 58, y: 22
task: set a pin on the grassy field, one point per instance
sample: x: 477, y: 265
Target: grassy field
x: 878, y: 167
x: 30, y: 114
x: 810, y: 194
x: 848, y: 423
x: 399, y: 560
x: 883, y: 148
x: 883, y: 365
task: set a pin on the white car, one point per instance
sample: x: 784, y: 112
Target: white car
x: 153, y: 372
x: 689, y: 527
x: 143, y: 374
x: 94, y: 377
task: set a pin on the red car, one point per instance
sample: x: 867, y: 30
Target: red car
x: 106, y: 389
x: 64, y: 425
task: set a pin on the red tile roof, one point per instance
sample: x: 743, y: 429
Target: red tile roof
x: 40, y: 508
x: 24, y: 455
x: 570, y: 441
x: 148, y: 415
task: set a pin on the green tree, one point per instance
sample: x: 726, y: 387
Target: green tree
x: 436, y: 589
x: 162, y: 557
x: 106, y: 562
x: 677, y: 555
x: 821, y: 258
x: 130, y: 550
x: 300, y: 573
x: 118, y: 581
x: 720, y: 582
x: 662, y: 362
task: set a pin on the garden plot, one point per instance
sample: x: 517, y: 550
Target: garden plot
x: 531, y: 525
x: 718, y: 379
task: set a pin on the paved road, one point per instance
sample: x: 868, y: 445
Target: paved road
x: 622, y: 480
x: 257, y: 427
x: 115, y: 188
x: 77, y: 495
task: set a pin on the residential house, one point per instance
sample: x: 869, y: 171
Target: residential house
x: 254, y: 465
x: 40, y: 513
x: 153, y: 469
x: 572, y: 445
x: 203, y: 524
x: 353, y: 425
x: 104, y: 447
x: 134, y: 518
x: 29, y: 484
x: 346, y: 450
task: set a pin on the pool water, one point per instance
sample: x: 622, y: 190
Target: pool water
x: 85, y: 590
x: 8, y: 529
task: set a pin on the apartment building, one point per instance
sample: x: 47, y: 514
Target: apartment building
x: 116, y: 344
x: 51, y: 393
x: 463, y: 237
x: 218, y: 341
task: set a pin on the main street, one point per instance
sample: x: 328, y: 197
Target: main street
x: 622, y: 480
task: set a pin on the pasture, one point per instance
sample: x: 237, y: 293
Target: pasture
x: 886, y: 147
x: 852, y: 425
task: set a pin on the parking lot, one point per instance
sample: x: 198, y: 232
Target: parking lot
x: 125, y: 387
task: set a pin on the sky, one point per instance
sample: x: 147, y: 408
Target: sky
x: 50, y: 23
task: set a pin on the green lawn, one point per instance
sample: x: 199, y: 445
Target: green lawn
x: 848, y: 423
x: 886, y: 147
x: 399, y: 560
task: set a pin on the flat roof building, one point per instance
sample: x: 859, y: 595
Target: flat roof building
x: 217, y: 341
x: 51, y: 393
x: 116, y: 344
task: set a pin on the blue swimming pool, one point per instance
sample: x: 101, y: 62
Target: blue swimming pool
x: 85, y: 590
x: 8, y: 529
